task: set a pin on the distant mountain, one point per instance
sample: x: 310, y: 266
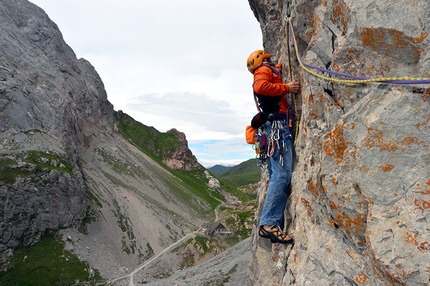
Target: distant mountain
x: 243, y: 174
x: 218, y: 169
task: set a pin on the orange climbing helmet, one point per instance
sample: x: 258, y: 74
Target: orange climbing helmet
x: 256, y: 59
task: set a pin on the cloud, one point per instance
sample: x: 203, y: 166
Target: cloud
x: 221, y: 152
x: 188, y: 111
x: 171, y: 64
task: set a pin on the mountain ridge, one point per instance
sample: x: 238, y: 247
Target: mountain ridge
x: 72, y: 166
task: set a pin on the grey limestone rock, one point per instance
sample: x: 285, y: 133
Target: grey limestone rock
x: 50, y: 105
x: 359, y: 209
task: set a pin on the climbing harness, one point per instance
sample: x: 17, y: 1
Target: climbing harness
x: 351, y: 79
x: 267, y: 142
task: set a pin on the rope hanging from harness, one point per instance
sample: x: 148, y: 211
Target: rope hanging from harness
x: 292, y: 117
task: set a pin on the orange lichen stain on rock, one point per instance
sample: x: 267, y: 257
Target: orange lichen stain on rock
x: 313, y: 115
x: 307, y: 205
x: 374, y: 138
x: 423, y: 125
x: 322, y: 185
x: 420, y: 38
x: 351, y: 225
x: 398, y: 37
x: 333, y: 179
x: 411, y: 238
x: 331, y: 222
x: 316, y: 23
x: 372, y: 38
x: 336, y: 145
x: 336, y: 67
x: 314, y: 103
x: 391, y: 42
x: 380, y: 71
x: 355, y: 62
x: 341, y: 13
x: 409, y: 141
x: 333, y: 205
x: 364, y: 169
x: 422, y: 205
x: 315, y: 98
x: 313, y: 188
x: 361, y: 278
x: 386, y: 168
x: 424, y: 247
x: 426, y: 191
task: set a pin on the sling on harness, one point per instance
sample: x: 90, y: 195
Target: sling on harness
x: 280, y: 137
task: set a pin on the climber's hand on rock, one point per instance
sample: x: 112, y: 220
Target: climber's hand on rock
x: 280, y: 60
x: 293, y: 86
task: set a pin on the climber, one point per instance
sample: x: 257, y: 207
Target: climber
x: 269, y: 92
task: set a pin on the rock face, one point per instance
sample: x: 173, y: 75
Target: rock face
x: 65, y: 165
x: 50, y: 105
x: 360, y: 204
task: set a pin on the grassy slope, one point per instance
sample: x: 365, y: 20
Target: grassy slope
x: 243, y: 174
x: 159, y: 145
x: 48, y: 262
x: 142, y: 137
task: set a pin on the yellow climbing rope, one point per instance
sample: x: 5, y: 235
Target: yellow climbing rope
x: 351, y: 81
x: 387, y: 80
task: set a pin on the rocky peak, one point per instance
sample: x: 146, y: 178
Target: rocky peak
x: 180, y: 157
x: 359, y: 209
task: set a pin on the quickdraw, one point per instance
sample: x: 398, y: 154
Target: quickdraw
x: 279, y: 138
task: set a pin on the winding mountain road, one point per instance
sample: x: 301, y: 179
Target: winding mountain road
x: 131, y: 275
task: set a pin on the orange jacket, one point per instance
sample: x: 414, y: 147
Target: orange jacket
x: 267, y: 83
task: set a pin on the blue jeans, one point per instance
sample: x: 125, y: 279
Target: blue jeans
x: 280, y: 170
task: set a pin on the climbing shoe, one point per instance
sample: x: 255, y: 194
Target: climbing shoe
x: 275, y: 234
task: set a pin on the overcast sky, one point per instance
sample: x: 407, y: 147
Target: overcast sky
x: 171, y: 64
